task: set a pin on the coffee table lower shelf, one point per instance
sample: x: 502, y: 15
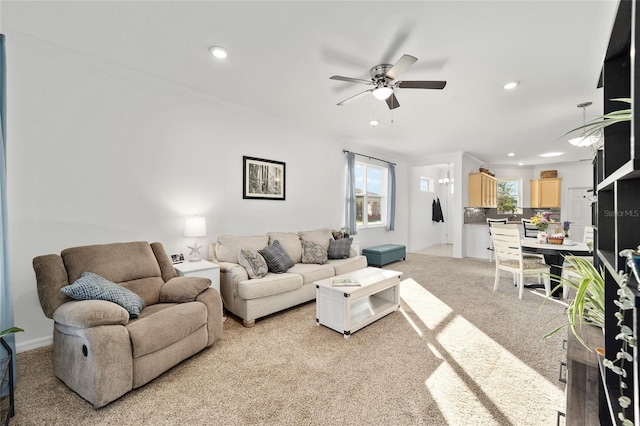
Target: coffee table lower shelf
x: 348, y: 309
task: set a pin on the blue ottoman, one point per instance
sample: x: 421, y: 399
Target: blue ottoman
x: 384, y: 254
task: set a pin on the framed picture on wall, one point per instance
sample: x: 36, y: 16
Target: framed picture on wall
x: 263, y: 179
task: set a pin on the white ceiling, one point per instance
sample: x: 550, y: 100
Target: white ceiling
x: 281, y: 55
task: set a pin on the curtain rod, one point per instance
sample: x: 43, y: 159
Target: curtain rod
x: 369, y: 157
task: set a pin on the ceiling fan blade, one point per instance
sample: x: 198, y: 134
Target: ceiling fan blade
x: 392, y: 101
x: 421, y: 84
x: 350, y: 79
x: 396, y: 43
x: 403, y: 63
x: 354, y: 97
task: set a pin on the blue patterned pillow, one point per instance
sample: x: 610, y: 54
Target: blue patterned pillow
x: 277, y: 258
x: 94, y: 287
x: 313, y: 253
x: 339, y: 249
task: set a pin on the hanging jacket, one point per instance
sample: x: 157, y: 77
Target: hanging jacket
x: 436, y: 211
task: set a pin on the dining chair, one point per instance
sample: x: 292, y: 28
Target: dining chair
x: 491, y: 222
x: 509, y: 257
x: 530, y: 230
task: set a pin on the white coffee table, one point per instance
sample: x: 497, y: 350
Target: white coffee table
x: 348, y: 309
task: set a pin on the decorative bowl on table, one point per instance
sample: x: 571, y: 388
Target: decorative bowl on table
x: 555, y: 238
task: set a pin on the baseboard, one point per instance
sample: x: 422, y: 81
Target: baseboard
x: 34, y: 344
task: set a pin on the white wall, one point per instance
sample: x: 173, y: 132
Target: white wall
x: 99, y: 154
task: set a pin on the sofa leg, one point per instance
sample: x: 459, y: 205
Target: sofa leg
x: 249, y: 323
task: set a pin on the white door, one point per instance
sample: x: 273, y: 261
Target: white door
x: 578, y: 211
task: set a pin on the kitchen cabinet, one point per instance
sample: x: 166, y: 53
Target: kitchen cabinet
x: 483, y: 190
x: 545, y: 192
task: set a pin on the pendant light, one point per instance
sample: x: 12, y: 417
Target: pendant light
x: 585, y: 140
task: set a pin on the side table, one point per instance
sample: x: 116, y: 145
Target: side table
x: 202, y: 268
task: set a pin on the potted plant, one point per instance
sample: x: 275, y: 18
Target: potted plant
x: 542, y: 221
x: 588, y: 304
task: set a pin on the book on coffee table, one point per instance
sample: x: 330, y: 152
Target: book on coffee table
x: 344, y: 282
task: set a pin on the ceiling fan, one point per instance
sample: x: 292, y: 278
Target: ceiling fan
x: 383, y: 78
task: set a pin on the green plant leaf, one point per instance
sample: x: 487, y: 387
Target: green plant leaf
x: 624, y: 401
x: 10, y: 330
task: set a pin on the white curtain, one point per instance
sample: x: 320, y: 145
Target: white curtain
x: 391, y: 198
x: 6, y: 298
x: 350, y: 208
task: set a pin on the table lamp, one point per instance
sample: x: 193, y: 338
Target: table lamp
x: 195, y: 226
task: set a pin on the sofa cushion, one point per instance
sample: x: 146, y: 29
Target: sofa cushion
x: 183, y: 289
x: 269, y: 285
x: 253, y: 262
x: 339, y: 249
x: 94, y: 287
x: 291, y: 243
x: 311, y: 272
x: 229, y: 246
x: 277, y: 258
x: 165, y: 327
x: 342, y: 266
x: 313, y: 253
x: 147, y: 288
x: 319, y: 236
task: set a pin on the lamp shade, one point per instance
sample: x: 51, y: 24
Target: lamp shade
x: 195, y: 226
x: 382, y: 92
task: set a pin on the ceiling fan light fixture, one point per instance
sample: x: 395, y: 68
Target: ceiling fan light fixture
x: 583, y: 141
x: 218, y: 52
x: 382, y: 92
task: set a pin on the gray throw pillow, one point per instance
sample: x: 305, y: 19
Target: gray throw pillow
x: 253, y: 262
x: 277, y: 258
x: 339, y: 249
x: 91, y: 286
x: 313, y: 253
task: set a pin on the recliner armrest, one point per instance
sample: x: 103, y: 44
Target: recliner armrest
x: 90, y: 313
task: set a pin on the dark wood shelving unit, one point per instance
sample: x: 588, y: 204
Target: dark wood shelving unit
x: 617, y: 206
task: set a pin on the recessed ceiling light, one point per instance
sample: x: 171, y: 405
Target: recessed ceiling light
x: 520, y: 164
x: 511, y: 85
x: 218, y: 52
x: 511, y: 154
x: 551, y: 154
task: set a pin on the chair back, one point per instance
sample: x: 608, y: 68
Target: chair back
x: 492, y: 222
x: 530, y: 230
x: 587, y: 237
x: 506, y: 242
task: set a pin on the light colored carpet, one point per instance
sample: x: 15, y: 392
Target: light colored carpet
x: 444, y: 250
x: 456, y: 353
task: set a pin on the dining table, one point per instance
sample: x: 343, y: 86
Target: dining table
x: 554, y: 255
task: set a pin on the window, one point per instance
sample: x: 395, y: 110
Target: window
x: 371, y: 194
x: 509, y: 196
x: 426, y: 184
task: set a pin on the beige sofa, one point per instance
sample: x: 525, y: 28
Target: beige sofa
x: 101, y: 349
x: 253, y: 298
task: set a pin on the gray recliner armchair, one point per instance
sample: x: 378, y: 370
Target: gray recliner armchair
x: 100, y: 352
